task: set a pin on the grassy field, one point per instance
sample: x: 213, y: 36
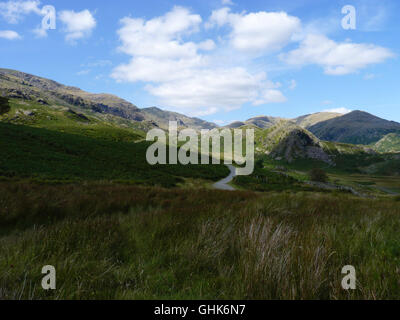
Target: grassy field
x: 371, y: 175
x: 127, y: 242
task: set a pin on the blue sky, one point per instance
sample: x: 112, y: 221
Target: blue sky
x: 220, y: 60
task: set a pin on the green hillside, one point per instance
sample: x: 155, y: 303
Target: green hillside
x: 56, y: 143
x: 388, y: 144
x: 43, y: 154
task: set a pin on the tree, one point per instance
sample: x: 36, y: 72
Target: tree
x: 318, y: 175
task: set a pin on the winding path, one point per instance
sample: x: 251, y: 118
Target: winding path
x: 223, y: 184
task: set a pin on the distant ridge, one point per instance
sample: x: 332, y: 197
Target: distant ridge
x: 312, y: 119
x: 357, y: 127
x: 162, y: 118
x: 262, y: 122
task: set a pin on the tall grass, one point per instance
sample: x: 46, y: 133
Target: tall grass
x: 125, y: 242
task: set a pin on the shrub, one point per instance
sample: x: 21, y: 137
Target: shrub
x: 318, y: 175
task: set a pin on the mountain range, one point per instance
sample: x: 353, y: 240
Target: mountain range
x: 306, y: 136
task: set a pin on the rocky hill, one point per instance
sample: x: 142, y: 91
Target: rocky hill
x: 15, y: 84
x: 24, y: 86
x: 287, y: 141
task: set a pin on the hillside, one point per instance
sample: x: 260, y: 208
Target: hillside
x: 287, y: 141
x: 15, y: 84
x: 388, y: 144
x: 34, y: 89
x: 47, y: 155
x: 357, y: 127
x: 54, y: 143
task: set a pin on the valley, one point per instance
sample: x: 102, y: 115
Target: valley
x: 75, y: 186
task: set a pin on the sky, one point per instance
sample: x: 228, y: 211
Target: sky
x: 220, y: 60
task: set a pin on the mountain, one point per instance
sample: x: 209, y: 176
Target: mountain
x: 66, y: 104
x: 312, y: 119
x: 265, y: 122
x: 15, y: 84
x: 27, y: 87
x: 388, y: 144
x: 162, y: 118
x: 262, y: 122
x: 357, y: 127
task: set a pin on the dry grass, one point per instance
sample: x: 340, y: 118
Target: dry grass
x: 124, y: 242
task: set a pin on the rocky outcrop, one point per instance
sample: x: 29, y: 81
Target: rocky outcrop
x: 287, y: 141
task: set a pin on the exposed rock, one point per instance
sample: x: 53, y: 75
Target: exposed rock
x: 28, y: 113
x: 287, y: 141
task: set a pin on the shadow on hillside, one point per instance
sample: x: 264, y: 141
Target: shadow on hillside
x: 4, y: 105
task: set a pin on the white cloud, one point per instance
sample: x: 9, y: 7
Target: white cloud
x: 208, y: 91
x: 259, y: 31
x: 14, y: 11
x: 160, y: 37
x: 338, y: 110
x: 336, y: 58
x: 78, y: 25
x: 184, y: 75
x: 270, y: 96
x: 326, y: 102
x: 205, y: 76
x: 40, y: 32
x: 9, y: 35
